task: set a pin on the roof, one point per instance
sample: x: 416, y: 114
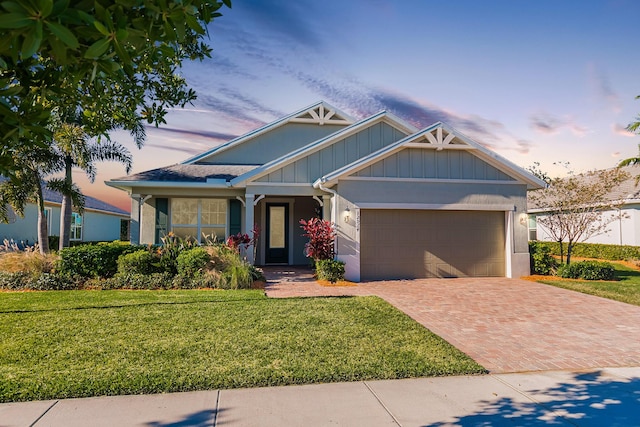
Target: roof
x: 432, y: 137
x: 189, y: 173
x: 627, y: 192
x: 90, y: 203
x: 324, y: 142
x: 320, y: 113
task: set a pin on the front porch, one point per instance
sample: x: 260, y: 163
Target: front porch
x: 280, y: 241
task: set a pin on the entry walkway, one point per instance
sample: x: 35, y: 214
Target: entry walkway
x: 506, y: 325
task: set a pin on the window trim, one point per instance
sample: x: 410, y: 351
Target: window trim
x: 199, y: 225
x: 73, y: 226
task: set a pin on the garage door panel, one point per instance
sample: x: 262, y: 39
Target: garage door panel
x: 416, y: 244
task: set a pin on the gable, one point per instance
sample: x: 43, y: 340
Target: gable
x: 444, y: 164
x: 271, y: 145
x: 336, y: 155
x: 436, y: 152
x: 273, y: 140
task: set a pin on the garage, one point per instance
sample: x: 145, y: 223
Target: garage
x: 408, y: 244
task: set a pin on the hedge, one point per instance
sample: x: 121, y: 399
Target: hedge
x: 93, y: 261
x: 595, y: 250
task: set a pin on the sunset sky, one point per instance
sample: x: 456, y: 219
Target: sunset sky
x: 544, y: 81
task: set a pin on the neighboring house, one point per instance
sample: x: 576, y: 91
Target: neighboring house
x: 625, y: 227
x: 100, y: 221
x: 405, y: 203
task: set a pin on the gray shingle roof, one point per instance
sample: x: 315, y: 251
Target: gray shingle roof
x: 627, y: 190
x: 89, y: 202
x: 190, y: 173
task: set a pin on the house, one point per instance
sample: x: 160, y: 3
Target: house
x: 100, y: 221
x: 624, y: 222
x: 406, y: 203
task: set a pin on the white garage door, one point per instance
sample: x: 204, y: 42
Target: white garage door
x: 399, y: 244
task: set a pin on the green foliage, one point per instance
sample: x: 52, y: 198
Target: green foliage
x: 93, y: 261
x: 236, y: 276
x: 171, y: 247
x: 192, y: 262
x: 22, y: 281
x: 597, y: 250
x: 587, y: 270
x: 116, y: 62
x: 330, y: 269
x: 542, y: 262
x: 152, y: 281
x: 139, y: 262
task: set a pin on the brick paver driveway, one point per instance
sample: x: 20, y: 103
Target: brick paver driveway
x: 506, y: 325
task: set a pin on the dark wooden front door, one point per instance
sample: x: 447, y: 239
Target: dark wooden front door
x: 277, y: 234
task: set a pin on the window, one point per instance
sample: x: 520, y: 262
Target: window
x: 76, y: 226
x: 48, y: 213
x: 199, y: 217
x: 533, y: 230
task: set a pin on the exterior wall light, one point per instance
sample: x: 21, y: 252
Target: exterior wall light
x: 347, y: 214
x: 523, y: 218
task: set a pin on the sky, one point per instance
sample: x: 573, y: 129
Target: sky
x: 546, y: 81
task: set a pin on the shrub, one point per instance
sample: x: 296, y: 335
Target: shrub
x: 596, y: 250
x: 192, y: 262
x: 236, y: 276
x: 329, y: 269
x: 20, y: 281
x: 139, y: 262
x: 587, y: 270
x: 321, y: 238
x: 541, y: 260
x: 28, y: 261
x: 171, y: 247
x: 91, y: 261
x: 151, y: 281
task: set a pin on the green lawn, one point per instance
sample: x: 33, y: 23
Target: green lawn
x: 84, y: 343
x: 625, y: 289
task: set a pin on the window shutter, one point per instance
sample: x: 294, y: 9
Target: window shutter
x: 162, y: 219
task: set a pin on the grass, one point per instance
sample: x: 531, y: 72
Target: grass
x: 65, y: 344
x: 625, y: 289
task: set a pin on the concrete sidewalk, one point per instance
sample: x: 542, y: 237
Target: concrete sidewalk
x: 600, y: 397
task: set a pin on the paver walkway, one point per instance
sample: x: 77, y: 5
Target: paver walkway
x: 506, y: 325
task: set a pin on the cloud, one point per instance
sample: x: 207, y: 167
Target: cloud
x: 287, y: 19
x: 602, y: 86
x: 218, y: 136
x: 548, y: 124
x: 618, y: 129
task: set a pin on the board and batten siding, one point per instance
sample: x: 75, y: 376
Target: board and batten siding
x: 445, y: 164
x: 272, y: 144
x: 335, y: 156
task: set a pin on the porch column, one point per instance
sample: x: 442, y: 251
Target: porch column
x: 134, y: 225
x: 326, y: 207
x: 249, y: 222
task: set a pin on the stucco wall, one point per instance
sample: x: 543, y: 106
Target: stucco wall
x: 623, y: 230
x: 96, y: 226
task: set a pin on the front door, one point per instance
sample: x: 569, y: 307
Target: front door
x: 277, y: 234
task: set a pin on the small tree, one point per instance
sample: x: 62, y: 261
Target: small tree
x: 321, y: 239
x: 575, y: 206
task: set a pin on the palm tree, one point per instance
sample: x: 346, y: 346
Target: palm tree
x: 73, y: 147
x: 26, y: 186
x: 631, y: 161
